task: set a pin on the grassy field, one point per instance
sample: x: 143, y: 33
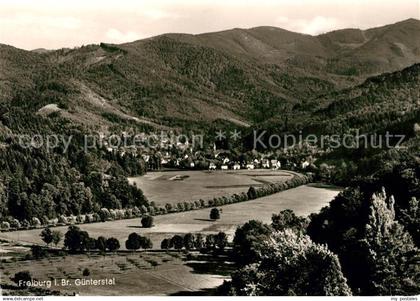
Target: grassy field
x: 134, y: 273
x: 175, y: 186
x: 302, y: 200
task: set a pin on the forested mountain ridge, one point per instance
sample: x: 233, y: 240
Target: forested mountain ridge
x: 390, y: 101
x: 244, y: 76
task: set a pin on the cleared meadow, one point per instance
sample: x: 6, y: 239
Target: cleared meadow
x: 176, y: 186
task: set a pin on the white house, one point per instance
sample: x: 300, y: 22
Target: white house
x: 224, y: 167
x: 236, y: 166
x: 212, y: 166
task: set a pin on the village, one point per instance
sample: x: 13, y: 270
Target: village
x: 169, y: 154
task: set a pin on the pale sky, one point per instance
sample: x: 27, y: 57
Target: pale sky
x: 53, y: 24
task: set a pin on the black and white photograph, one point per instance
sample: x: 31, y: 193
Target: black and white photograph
x: 180, y: 148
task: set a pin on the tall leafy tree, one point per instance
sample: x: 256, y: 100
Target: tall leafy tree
x: 133, y: 242
x: 76, y: 239
x: 56, y: 237
x: 189, y: 241
x: 112, y: 244
x: 47, y: 236
x: 287, y: 219
x: 390, y: 251
x: 290, y: 264
x: 248, y: 241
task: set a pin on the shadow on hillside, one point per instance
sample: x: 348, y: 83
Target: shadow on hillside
x: 204, y: 219
x: 213, y: 265
x: 325, y: 186
x: 202, y: 292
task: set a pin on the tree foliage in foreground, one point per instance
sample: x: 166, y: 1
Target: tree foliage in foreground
x: 390, y: 252
x: 290, y: 264
x: 377, y: 253
x: 248, y: 241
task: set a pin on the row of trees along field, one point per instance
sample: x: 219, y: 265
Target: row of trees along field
x: 77, y: 240
x: 196, y: 241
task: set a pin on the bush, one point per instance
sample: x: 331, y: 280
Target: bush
x: 14, y: 223
x: 86, y: 272
x: 90, y: 244
x: 21, y: 278
x: 128, y: 213
x: 136, y: 211
x: 165, y: 244
x: 56, y: 237
x: 169, y: 207
x: 96, y: 217
x: 5, y: 226
x: 101, y: 243
x: 199, y: 241
x: 133, y: 242
x: 80, y: 219
x: 104, y: 214
x: 112, y: 244
x: 145, y: 243
x: 210, y: 242
x: 75, y: 239
x: 113, y: 214
x: 47, y: 236
x: 189, y: 241
x: 62, y: 219
x: 221, y: 240
x: 53, y: 222
x: 252, y: 193
x: 38, y: 252
x: 36, y: 222
x: 147, y: 221
x: 214, y: 214
x: 178, y: 242
x: 71, y: 220
x: 25, y: 224
x: 143, y: 209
